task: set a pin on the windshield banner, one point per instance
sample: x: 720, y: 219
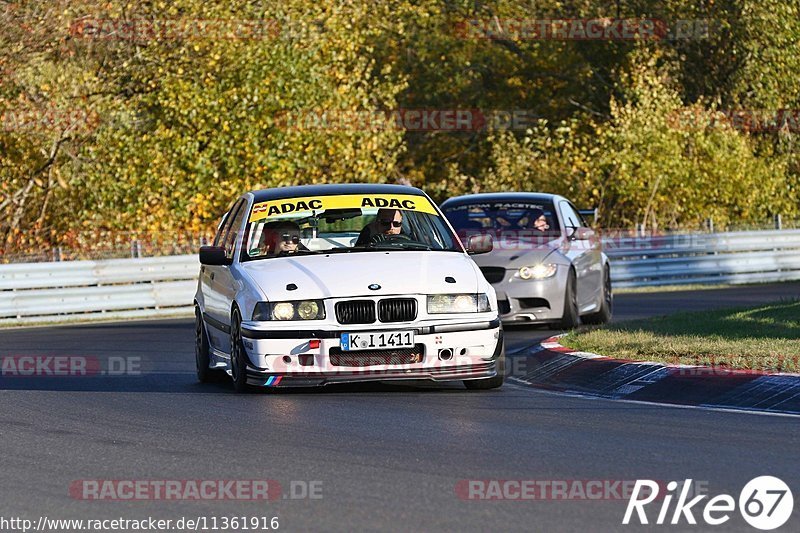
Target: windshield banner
x: 288, y: 206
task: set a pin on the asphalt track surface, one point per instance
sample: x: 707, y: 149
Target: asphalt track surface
x: 387, y: 457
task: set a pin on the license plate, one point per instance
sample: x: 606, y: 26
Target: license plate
x: 377, y: 341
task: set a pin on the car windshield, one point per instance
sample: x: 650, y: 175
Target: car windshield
x: 343, y: 224
x: 506, y: 220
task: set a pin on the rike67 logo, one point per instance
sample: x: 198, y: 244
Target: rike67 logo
x: 765, y: 503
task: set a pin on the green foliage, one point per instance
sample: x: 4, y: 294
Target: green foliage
x: 160, y: 134
x: 659, y: 169
x: 208, y: 124
x: 656, y: 162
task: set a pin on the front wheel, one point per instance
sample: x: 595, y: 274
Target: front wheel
x: 570, y: 319
x: 202, y: 358
x: 603, y: 316
x: 238, y: 355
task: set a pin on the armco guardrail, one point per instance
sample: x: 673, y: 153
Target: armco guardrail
x: 115, y: 288
x: 157, y: 286
x: 735, y: 257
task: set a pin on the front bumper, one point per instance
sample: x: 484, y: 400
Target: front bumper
x: 286, y: 359
x: 531, y: 301
x: 265, y: 378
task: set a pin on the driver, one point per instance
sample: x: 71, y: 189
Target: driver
x: 388, y: 222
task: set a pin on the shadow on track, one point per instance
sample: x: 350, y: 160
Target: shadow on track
x: 185, y: 383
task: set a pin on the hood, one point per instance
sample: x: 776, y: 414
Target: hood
x: 343, y: 275
x: 518, y: 253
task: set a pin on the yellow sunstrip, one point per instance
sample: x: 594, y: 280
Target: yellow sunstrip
x: 405, y: 202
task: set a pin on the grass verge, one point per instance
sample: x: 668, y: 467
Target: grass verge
x: 692, y: 287
x: 757, y: 338
x: 89, y: 319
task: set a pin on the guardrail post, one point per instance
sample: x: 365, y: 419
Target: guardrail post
x: 778, y: 225
x: 136, y: 249
x: 57, y: 253
x: 710, y: 225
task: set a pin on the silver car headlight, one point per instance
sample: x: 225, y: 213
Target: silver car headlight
x: 538, y: 271
x: 458, y: 303
x: 294, y: 310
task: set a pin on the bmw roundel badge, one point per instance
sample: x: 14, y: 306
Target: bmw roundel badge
x: 374, y: 287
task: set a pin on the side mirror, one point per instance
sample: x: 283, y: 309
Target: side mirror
x: 582, y: 234
x: 213, y: 256
x: 479, y: 244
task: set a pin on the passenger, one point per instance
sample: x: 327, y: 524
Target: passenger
x: 280, y: 239
x: 538, y: 221
x: 387, y: 222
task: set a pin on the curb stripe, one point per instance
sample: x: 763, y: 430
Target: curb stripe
x: 558, y: 368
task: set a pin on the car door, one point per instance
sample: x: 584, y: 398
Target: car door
x: 584, y: 254
x: 219, y: 281
x: 205, y: 271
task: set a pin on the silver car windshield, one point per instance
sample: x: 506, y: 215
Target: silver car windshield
x: 507, y: 220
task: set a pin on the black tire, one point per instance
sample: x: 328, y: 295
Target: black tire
x: 202, y: 357
x: 238, y: 355
x: 493, y: 382
x: 570, y: 319
x: 603, y: 316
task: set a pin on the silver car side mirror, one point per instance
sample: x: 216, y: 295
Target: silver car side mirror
x: 581, y: 234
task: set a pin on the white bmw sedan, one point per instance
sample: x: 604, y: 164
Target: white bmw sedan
x: 312, y: 285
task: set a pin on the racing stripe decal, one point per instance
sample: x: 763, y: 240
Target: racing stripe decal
x: 405, y: 202
x: 273, y: 381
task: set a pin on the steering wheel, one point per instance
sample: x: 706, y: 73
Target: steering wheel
x: 380, y: 238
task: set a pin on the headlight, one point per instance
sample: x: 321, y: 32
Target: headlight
x: 458, y: 303
x: 283, y: 311
x: 308, y: 310
x: 297, y: 310
x: 540, y: 271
